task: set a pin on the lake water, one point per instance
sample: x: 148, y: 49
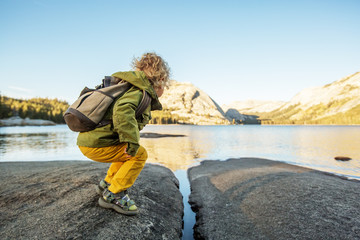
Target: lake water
x: 309, y: 146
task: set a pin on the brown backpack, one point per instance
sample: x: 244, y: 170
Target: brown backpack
x: 88, y: 111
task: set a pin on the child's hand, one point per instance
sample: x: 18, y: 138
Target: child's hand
x: 131, y: 149
x: 127, y: 155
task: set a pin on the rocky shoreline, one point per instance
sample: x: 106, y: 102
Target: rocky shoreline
x: 57, y: 200
x: 246, y: 198
x: 17, y: 121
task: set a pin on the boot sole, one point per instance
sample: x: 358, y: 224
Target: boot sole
x: 99, y: 191
x: 118, y: 209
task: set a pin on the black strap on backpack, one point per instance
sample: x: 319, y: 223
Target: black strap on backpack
x: 145, y: 101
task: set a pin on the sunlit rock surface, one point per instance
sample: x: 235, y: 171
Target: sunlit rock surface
x: 192, y: 104
x: 251, y: 198
x: 338, y: 97
x: 17, y: 121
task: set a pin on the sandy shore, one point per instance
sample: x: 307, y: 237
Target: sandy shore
x: 57, y: 200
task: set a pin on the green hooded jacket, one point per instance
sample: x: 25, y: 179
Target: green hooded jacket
x: 124, y: 127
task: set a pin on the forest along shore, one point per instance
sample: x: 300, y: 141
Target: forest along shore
x: 57, y: 200
x: 252, y: 198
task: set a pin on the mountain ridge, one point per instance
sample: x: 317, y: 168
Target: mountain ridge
x: 188, y: 104
x: 334, y: 103
x: 252, y: 106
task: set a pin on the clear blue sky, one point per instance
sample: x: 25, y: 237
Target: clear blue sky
x: 233, y: 50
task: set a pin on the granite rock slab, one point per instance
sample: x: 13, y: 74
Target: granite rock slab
x: 57, y: 200
x: 251, y: 198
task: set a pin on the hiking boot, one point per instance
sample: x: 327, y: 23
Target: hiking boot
x: 101, y: 187
x: 120, y: 202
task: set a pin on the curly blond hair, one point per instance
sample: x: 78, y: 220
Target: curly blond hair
x: 154, y: 67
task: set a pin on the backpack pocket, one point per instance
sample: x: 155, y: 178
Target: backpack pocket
x: 83, y: 115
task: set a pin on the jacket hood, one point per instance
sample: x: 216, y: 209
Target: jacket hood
x: 138, y: 79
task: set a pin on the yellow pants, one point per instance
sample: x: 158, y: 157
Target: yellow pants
x: 124, y: 169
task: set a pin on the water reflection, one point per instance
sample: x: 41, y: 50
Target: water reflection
x: 38, y: 144
x: 321, y: 148
x: 35, y: 141
x: 175, y: 153
x: 309, y: 146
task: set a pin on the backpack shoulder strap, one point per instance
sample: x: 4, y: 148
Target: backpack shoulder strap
x: 145, y: 101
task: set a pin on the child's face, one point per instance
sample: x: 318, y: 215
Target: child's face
x: 159, y: 91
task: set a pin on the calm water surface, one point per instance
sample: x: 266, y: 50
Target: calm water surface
x: 309, y: 146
